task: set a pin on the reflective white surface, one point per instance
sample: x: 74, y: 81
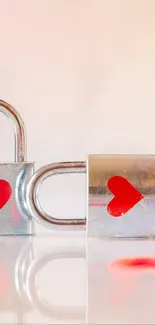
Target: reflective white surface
x: 42, y: 280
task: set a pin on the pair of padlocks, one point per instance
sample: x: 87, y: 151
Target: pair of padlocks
x: 19, y: 185
x: 121, y: 191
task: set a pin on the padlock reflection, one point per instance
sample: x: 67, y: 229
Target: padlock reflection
x: 22, y: 262
x: 44, y: 301
x: 121, y: 282
x: 15, y: 258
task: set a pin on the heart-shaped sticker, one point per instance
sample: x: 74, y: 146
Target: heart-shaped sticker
x: 126, y: 196
x: 5, y: 192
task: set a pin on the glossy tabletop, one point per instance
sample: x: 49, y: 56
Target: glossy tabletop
x: 60, y: 279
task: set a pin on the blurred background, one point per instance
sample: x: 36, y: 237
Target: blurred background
x: 81, y: 74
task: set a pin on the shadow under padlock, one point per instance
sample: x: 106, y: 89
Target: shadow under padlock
x: 16, y: 255
x: 14, y: 216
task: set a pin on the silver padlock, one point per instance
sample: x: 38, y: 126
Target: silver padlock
x: 120, y: 195
x: 14, y: 216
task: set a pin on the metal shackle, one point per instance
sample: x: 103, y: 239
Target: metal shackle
x: 19, y: 130
x: 76, y: 167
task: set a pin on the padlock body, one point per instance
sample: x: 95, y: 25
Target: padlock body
x: 121, y: 196
x: 14, y: 216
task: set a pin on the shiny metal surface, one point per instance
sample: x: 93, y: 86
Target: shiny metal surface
x: 33, y: 189
x: 19, y: 130
x: 14, y: 216
x: 139, y: 221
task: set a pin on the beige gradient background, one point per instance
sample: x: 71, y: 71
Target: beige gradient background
x: 82, y: 75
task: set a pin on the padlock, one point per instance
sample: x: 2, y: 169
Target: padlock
x: 14, y: 176
x: 120, y: 195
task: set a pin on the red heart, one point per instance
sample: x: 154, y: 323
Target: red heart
x: 5, y: 192
x: 126, y: 196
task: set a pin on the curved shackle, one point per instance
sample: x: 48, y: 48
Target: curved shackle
x: 33, y: 189
x: 19, y: 130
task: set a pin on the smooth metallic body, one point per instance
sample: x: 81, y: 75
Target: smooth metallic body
x: 14, y: 216
x: 139, y: 221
